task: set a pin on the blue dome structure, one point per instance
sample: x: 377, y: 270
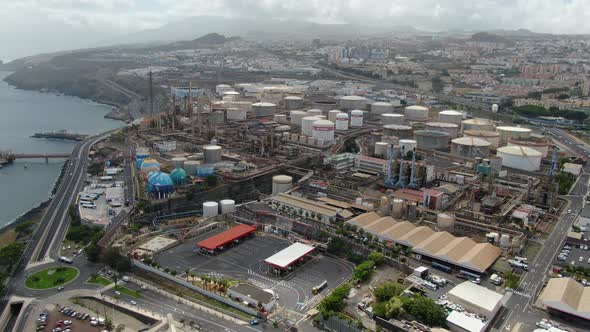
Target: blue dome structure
x: 148, y: 165
x: 179, y: 176
x: 160, y: 184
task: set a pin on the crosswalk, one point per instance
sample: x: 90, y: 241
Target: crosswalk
x: 522, y: 294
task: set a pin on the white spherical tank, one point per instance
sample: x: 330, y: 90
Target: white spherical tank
x: 490, y: 136
x: 400, y: 131
x: 449, y: 128
x: 450, y: 116
x: 314, y: 112
x: 227, y: 205
x: 212, y: 154
x: 307, y: 125
x: 478, y: 124
x: 296, y: 117
x: 210, y: 209
x: 264, y: 108
x: 356, y: 118
x: 293, y: 102
x: 445, y: 222
x: 281, y: 184
x: 235, y: 114
x: 381, y: 108
x: 408, y: 145
x: 381, y: 150
x: 280, y: 118
x: 332, y: 115
x: 470, y: 147
x: 341, y: 121
x: 520, y: 157
x: 417, y: 113
x: 508, y: 132
x: 324, y: 130
x: 392, y: 118
x: 178, y: 162
x: 353, y: 102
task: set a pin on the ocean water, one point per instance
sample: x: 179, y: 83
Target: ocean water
x: 26, y: 183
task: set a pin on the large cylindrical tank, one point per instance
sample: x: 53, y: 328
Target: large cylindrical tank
x: 190, y: 166
x: 281, y: 184
x: 325, y: 105
x: 280, y: 118
x: 221, y: 88
x: 293, y: 102
x: 450, y: 116
x: 314, y: 112
x: 356, y: 118
x: 307, y: 125
x: 515, y: 245
x: 392, y: 118
x: 478, y: 124
x: 520, y: 157
x: 416, y: 113
x: 401, y: 131
x: 235, y: 114
x: 353, y: 103
x: 217, y: 117
x: 408, y: 145
x: 445, y: 222
x: 324, y: 130
x: 245, y: 106
x: 505, y: 241
x: 381, y: 150
x: 210, y: 209
x: 341, y: 121
x: 229, y: 96
x: 264, y: 108
x: 490, y: 136
x: 397, y: 209
x: 430, y: 139
x: 381, y: 108
x: 508, y: 132
x: 450, y: 128
x: 296, y: 117
x: 470, y: 147
x: 178, y: 162
x: 332, y: 115
x: 212, y: 154
x: 227, y: 205
x: 542, y: 146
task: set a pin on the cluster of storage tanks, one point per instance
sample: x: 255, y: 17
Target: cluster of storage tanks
x: 504, y: 241
x: 212, y: 209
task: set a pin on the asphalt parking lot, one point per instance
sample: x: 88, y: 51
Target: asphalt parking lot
x: 245, y: 261
x: 574, y: 257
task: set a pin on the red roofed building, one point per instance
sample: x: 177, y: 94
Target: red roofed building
x: 222, y: 239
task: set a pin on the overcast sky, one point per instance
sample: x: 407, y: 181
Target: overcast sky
x: 32, y: 26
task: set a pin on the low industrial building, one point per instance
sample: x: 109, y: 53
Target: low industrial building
x: 252, y: 296
x: 567, y: 296
x: 462, y: 322
x: 441, y: 247
x: 307, y: 208
x: 584, y: 219
x: 219, y: 241
x: 478, y: 299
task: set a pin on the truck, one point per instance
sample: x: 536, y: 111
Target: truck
x: 496, y: 280
x: 320, y: 287
x: 421, y: 272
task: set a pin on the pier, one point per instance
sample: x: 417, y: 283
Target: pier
x: 8, y: 158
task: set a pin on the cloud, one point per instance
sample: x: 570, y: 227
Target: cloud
x: 85, y: 22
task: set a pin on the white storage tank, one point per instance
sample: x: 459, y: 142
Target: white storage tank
x: 280, y: 118
x: 332, y: 115
x: 381, y: 149
x: 408, y: 145
x: 221, y: 88
x: 495, y: 108
x: 356, y: 118
x: 381, y: 108
x: 212, y: 154
x: 431, y: 139
x: 520, y: 157
x: 245, y: 106
x: 324, y: 105
x: 450, y: 128
x: 541, y: 146
x: 445, y: 222
x: 230, y: 96
x: 392, y: 118
x: 505, y: 241
x: 281, y: 184
x: 293, y: 102
x: 307, y: 125
x: 264, y: 108
x: 490, y: 136
x: 235, y: 114
x: 478, y: 124
x: 341, y: 121
x: 227, y: 205
x: 324, y: 130
x: 450, y: 116
x: 210, y: 209
x: 296, y: 117
x: 397, y: 209
x: 416, y: 113
x: 178, y: 162
x: 400, y: 131
x: 314, y: 112
x: 508, y: 132
x: 470, y: 147
x: 190, y: 166
x: 353, y: 102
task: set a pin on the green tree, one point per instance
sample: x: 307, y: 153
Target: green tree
x: 116, y: 260
x: 335, y: 301
x: 376, y: 257
x: 388, y: 290
x: 363, y: 271
x: 211, y: 181
x: 512, y: 280
x: 11, y: 253
x: 24, y: 228
x: 425, y: 310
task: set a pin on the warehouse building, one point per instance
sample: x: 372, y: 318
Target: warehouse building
x: 219, y: 241
x: 474, y: 299
x: 307, y: 208
x: 252, y: 296
x: 286, y: 258
x: 568, y: 297
x: 440, y: 247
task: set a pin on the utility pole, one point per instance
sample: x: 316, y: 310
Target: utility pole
x: 151, y: 94
x: 190, y: 108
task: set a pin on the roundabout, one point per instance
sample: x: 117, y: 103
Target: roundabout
x: 51, y: 277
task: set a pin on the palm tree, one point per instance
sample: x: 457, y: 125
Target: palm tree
x: 193, y: 276
x: 186, y: 273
